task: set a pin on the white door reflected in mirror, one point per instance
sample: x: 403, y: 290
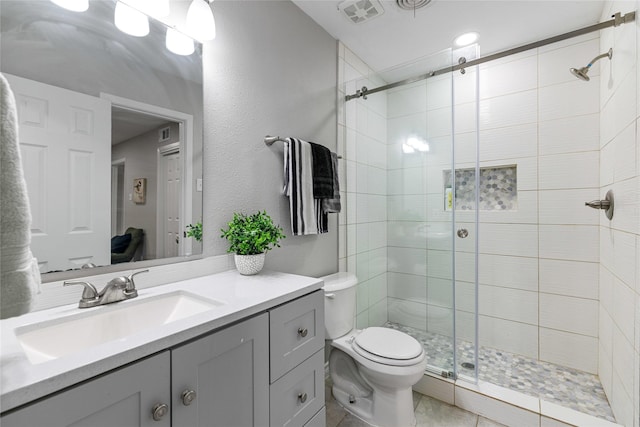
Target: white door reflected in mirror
x: 65, y: 143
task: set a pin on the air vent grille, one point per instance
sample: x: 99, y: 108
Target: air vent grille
x: 165, y: 134
x: 360, y: 11
x: 412, y: 4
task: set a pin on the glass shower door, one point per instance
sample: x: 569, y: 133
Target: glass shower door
x: 401, y: 215
x: 420, y: 226
x: 465, y: 200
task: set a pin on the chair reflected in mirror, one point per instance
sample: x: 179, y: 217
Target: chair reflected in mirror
x: 127, y: 247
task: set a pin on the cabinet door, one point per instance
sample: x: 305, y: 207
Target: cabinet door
x: 229, y: 373
x: 123, y: 398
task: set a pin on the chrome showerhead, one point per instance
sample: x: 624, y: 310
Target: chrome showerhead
x: 582, y: 73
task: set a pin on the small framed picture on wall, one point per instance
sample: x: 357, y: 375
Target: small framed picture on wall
x: 139, y: 190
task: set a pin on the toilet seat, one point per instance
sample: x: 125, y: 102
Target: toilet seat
x: 388, y: 346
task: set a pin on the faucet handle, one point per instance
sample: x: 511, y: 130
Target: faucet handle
x: 131, y: 285
x: 89, y: 294
x: 119, y: 282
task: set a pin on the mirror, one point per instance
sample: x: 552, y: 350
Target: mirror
x: 110, y: 127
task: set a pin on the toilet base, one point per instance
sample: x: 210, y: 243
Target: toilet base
x: 390, y: 414
x: 377, y: 405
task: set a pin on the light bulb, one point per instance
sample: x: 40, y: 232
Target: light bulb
x: 466, y: 39
x: 179, y: 43
x: 418, y: 143
x: 200, y: 22
x: 161, y: 9
x: 131, y: 21
x: 407, y: 149
x: 73, y: 5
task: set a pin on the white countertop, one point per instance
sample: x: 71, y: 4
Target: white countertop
x: 22, y: 382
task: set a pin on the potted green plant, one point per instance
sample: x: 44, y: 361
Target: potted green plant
x: 195, y: 231
x: 250, y: 237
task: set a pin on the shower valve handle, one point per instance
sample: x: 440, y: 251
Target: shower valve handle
x: 606, y: 204
x: 598, y: 204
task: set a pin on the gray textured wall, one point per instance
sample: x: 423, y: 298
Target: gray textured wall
x: 271, y: 70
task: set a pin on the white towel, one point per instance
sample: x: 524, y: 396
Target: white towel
x: 298, y: 186
x: 19, y: 274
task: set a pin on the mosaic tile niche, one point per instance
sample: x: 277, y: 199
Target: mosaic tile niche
x: 498, y: 188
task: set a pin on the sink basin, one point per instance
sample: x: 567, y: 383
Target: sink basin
x: 60, y: 337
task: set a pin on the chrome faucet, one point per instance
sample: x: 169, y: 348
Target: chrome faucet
x: 118, y: 289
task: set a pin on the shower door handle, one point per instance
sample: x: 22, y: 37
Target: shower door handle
x: 463, y: 233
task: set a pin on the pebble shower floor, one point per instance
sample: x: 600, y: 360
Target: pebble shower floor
x: 567, y: 387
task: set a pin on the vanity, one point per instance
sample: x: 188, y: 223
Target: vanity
x: 219, y: 350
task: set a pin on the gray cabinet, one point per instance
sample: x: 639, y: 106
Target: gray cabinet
x: 299, y: 395
x: 219, y: 380
x: 297, y: 362
x: 223, y: 379
x: 124, y: 398
x: 265, y: 370
x: 297, y: 332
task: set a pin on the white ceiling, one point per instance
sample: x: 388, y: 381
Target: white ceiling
x: 127, y: 124
x: 397, y: 37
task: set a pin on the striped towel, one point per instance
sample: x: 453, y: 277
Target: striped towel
x: 306, y: 213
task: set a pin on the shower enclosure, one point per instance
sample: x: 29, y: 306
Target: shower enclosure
x: 465, y: 220
x: 404, y: 204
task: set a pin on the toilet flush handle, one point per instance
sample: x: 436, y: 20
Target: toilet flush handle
x: 330, y: 296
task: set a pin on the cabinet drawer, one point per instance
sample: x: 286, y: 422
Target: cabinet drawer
x: 299, y: 395
x: 297, y: 331
x: 319, y: 419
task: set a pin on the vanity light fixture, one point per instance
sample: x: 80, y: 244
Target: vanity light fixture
x: 73, y: 5
x: 179, y: 43
x: 130, y: 20
x: 132, y: 17
x: 155, y: 8
x: 466, y: 39
x: 200, y: 22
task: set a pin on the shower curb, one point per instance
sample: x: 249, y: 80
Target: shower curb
x: 503, y: 405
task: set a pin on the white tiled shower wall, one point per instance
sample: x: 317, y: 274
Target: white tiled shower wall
x: 363, y: 230
x: 538, y: 265
x: 619, y: 143
x: 558, y: 281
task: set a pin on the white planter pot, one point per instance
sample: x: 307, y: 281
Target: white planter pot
x: 248, y: 265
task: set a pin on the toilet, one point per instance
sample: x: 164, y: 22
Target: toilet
x: 372, y: 369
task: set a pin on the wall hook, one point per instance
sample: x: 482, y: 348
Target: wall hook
x: 606, y: 204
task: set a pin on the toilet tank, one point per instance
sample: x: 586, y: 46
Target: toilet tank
x: 339, y: 304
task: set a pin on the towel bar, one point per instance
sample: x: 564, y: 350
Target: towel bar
x: 269, y: 140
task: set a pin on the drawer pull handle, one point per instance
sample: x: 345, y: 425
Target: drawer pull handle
x: 303, y: 332
x: 302, y: 397
x: 188, y: 396
x: 159, y: 411
x: 330, y: 296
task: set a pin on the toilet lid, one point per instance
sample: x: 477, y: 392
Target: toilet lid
x: 389, y: 343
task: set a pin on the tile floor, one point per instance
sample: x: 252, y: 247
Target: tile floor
x: 556, y: 384
x: 429, y: 413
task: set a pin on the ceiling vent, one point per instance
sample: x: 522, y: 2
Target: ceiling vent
x: 359, y: 11
x: 164, y: 134
x: 412, y: 4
